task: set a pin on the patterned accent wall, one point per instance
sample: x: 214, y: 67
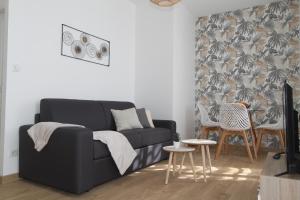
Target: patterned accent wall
x: 246, y: 55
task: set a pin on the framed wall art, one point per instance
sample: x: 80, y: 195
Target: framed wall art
x: 84, y: 46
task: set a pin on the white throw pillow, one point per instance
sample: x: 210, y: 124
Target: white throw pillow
x: 148, y: 113
x: 126, y: 119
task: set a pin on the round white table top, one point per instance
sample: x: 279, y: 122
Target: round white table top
x: 199, y: 142
x: 180, y: 149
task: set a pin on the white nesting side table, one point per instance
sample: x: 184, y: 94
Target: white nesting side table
x: 172, y: 159
x: 204, y: 146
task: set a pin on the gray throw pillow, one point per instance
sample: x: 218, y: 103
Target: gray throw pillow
x: 141, y: 112
x: 126, y: 119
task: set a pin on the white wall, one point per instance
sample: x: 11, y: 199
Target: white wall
x: 165, y: 63
x: 34, y: 46
x: 183, y: 70
x: 154, y: 40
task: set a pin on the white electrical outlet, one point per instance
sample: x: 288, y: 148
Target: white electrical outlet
x: 15, y: 153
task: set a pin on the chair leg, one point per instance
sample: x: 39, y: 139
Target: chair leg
x: 284, y: 137
x: 204, y: 132
x: 259, y: 138
x: 281, y: 140
x: 247, y: 146
x: 253, y: 144
x: 219, y: 148
x: 225, y: 145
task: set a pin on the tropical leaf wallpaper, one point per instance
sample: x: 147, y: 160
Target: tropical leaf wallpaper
x: 246, y: 55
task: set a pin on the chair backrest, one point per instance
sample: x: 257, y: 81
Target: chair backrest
x: 235, y: 117
x: 203, y: 113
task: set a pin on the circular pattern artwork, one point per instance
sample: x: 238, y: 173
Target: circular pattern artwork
x: 78, y: 49
x: 104, y: 49
x: 84, y: 38
x: 84, y: 46
x: 91, y: 50
x: 99, y: 55
x: 68, y: 38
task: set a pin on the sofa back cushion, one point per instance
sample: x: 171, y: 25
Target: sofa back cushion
x: 95, y: 115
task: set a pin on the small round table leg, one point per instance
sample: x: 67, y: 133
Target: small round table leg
x: 174, y: 163
x: 169, y: 167
x: 203, y: 162
x: 208, y: 156
x: 192, y: 165
x: 182, y: 161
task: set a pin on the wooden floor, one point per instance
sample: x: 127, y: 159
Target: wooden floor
x: 233, y: 178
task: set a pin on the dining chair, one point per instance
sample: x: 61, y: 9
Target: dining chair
x: 207, y: 124
x: 234, y: 120
x: 271, y: 129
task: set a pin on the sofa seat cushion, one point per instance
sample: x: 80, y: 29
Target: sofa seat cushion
x: 134, y: 137
x: 138, y: 138
x: 152, y: 136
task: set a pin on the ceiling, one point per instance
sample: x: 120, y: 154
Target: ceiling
x: 206, y: 7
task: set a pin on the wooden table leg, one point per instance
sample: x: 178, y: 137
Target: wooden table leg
x: 174, y: 163
x: 208, y: 156
x: 182, y: 161
x: 203, y: 162
x: 169, y: 167
x: 192, y: 165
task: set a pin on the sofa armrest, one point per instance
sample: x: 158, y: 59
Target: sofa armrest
x: 64, y: 163
x: 169, y: 124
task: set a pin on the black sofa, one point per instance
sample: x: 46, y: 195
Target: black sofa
x: 72, y: 161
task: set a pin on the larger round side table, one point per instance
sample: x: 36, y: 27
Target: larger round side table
x: 204, y: 146
x: 172, y: 159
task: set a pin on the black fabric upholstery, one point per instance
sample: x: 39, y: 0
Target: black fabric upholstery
x: 134, y: 137
x: 168, y: 124
x: 152, y: 136
x: 37, y: 118
x: 65, y: 163
x: 83, y: 112
x: 100, y: 150
x: 72, y: 161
